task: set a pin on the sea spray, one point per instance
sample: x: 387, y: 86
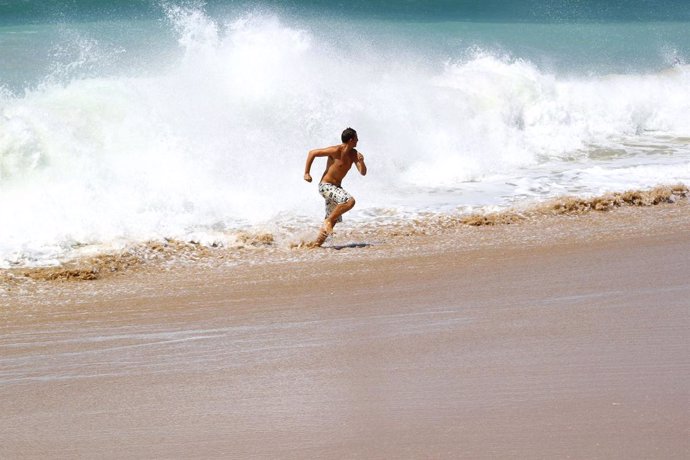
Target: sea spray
x: 213, y: 140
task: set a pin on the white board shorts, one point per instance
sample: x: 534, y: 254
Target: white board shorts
x: 334, y: 195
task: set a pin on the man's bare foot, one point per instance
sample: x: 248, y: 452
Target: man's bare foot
x: 324, y: 232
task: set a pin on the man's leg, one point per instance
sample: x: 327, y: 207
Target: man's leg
x: 338, y: 211
x: 332, y: 219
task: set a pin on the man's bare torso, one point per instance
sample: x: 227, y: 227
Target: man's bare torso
x: 338, y: 165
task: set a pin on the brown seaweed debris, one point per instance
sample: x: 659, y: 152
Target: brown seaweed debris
x: 496, y: 218
x: 89, y: 269
x: 609, y: 201
x: 569, y: 205
x: 256, y: 240
x: 61, y: 274
x: 99, y: 266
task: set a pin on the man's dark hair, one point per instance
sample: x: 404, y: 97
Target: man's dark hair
x: 348, y: 134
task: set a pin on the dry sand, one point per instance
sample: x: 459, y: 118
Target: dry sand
x: 557, y: 337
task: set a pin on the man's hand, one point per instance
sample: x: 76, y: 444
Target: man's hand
x: 360, y: 157
x: 307, y: 177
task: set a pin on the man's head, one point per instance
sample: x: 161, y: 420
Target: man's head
x: 349, y: 135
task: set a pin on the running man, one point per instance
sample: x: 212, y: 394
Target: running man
x: 340, y: 160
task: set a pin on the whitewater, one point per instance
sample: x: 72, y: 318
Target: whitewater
x: 204, y: 132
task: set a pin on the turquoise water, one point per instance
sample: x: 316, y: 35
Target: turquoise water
x: 585, y: 38
x: 428, y: 10
x: 127, y: 121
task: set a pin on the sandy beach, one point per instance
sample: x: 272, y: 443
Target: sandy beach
x: 560, y: 337
x: 513, y: 281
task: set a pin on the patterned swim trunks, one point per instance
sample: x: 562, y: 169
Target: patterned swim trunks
x: 334, y: 195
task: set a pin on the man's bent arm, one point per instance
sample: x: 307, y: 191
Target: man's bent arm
x: 328, y: 151
x: 361, y: 166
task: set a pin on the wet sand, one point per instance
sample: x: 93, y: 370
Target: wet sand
x: 559, y: 338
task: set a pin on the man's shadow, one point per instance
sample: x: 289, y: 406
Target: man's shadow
x: 338, y: 247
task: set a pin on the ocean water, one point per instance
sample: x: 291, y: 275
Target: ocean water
x: 129, y: 121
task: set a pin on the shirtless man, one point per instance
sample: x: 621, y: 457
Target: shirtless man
x: 340, y: 160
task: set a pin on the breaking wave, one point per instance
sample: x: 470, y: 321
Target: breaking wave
x: 215, y: 142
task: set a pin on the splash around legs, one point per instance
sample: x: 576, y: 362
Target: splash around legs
x: 331, y: 220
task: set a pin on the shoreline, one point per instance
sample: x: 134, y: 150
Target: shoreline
x: 248, y: 245
x: 550, y: 337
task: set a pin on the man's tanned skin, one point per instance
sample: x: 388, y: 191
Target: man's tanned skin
x: 340, y: 159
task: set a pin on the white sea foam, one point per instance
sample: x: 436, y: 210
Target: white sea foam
x: 217, y: 141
